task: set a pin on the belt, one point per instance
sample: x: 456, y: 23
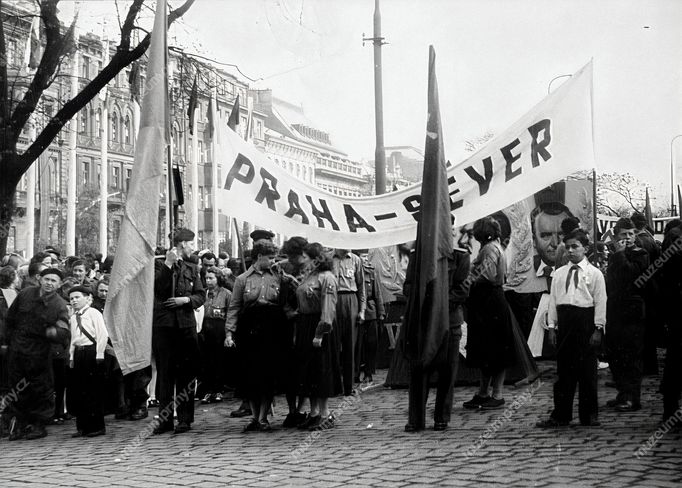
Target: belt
x: 346, y: 292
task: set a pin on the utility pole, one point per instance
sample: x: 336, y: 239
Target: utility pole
x: 379, y: 152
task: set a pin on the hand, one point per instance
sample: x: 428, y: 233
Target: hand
x: 171, y: 257
x: 175, y: 302
x: 51, y: 333
x: 551, y: 337
x: 317, y: 342
x: 382, y: 317
x: 100, y: 361
x: 620, y: 245
x: 228, y: 341
x: 71, y: 364
x: 361, y: 316
x: 595, y: 340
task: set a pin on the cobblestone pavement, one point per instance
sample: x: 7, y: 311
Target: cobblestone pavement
x: 368, y: 447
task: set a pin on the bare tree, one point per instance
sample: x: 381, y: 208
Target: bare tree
x: 15, y: 116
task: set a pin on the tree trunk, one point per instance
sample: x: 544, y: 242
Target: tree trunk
x: 8, y: 188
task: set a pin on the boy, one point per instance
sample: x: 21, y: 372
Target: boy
x: 577, y: 314
x: 88, y: 341
x: 625, y: 315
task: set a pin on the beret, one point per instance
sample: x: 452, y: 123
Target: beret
x: 54, y: 271
x: 85, y: 290
x: 181, y: 235
x: 261, y: 234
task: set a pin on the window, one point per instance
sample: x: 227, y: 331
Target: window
x: 85, y: 172
x: 98, y: 122
x: 129, y: 173
x: 83, y: 124
x: 116, y: 177
x: 11, y: 52
x: 85, y: 67
x: 114, y: 128
x: 200, y: 148
x: 259, y: 130
x: 126, y: 130
x: 201, y: 198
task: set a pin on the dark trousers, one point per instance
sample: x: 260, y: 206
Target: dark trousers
x: 446, y: 367
x: 135, y: 388
x: 346, y: 315
x: 31, y: 388
x: 576, y: 365
x: 625, y: 341
x: 366, y: 350
x: 671, y: 386
x: 176, y: 352
x: 59, y: 370
x: 86, y: 390
x: 211, y: 340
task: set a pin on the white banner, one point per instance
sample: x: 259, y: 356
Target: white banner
x: 550, y: 142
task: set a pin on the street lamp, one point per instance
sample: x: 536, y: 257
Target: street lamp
x: 549, y: 85
x: 672, y: 176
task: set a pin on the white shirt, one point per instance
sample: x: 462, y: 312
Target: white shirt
x: 590, y: 292
x: 93, y: 322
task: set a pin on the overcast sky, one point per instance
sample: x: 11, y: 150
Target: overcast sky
x: 494, y: 61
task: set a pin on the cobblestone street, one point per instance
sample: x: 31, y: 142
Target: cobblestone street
x: 368, y: 447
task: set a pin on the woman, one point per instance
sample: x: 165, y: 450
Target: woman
x: 212, y: 337
x: 490, y: 345
x: 319, y: 373
x: 9, y: 281
x: 100, y: 292
x: 256, y: 311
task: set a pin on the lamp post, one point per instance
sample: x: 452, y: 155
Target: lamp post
x: 549, y: 85
x: 672, y: 176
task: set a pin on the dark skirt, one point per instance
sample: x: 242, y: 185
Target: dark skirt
x: 258, y: 341
x: 490, y: 339
x: 318, y: 368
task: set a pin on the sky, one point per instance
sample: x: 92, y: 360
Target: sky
x: 494, y: 61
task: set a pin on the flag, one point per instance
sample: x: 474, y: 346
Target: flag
x: 426, y: 317
x: 34, y: 58
x: 134, y: 80
x: 128, y: 310
x: 679, y: 201
x: 233, y: 121
x: 69, y: 45
x: 647, y: 212
x: 212, y: 116
x: 192, y: 105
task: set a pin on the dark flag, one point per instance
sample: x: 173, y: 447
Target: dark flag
x: 192, y: 105
x: 134, y: 80
x: 34, y: 56
x: 426, y: 317
x: 647, y: 212
x: 233, y: 121
x: 679, y: 201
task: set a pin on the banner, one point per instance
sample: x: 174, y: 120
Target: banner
x: 605, y: 224
x: 547, y: 144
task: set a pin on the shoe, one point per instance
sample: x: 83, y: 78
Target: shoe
x: 16, y: 432
x: 67, y: 416
x: 241, y: 412
x: 153, y: 403
x: 182, y: 427
x: 591, y: 423
x: 308, y: 422
x: 96, y: 433
x: 77, y: 434
x: 252, y: 426
x: 440, y: 425
x: 628, y: 406
x: 550, y: 423
x: 325, y: 424
x: 58, y: 421
x: 162, y: 429
x: 139, y: 414
x: 613, y: 402
x: 413, y: 428
x: 293, y: 419
x: 264, y: 426
x: 35, y: 432
x: 602, y: 365
x: 217, y: 398
x: 122, y: 415
x: 206, y: 399
x: 493, y: 403
x: 475, y: 402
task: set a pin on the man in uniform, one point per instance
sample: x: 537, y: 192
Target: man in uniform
x: 177, y: 292
x: 368, y: 332
x: 350, y: 307
x: 37, y: 318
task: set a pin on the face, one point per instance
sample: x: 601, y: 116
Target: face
x: 627, y: 235
x: 78, y: 272
x: 47, y: 261
x: 211, y: 280
x: 208, y: 263
x: 305, y: 260
x: 185, y: 249
x: 102, y: 290
x: 78, y: 300
x: 548, y: 235
x: 575, y: 250
x: 264, y: 261
x: 222, y: 263
x: 50, y: 283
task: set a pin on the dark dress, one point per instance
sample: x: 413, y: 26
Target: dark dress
x: 319, y: 370
x: 490, y: 340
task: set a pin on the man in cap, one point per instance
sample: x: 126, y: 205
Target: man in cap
x: 177, y: 292
x: 37, y: 318
x: 259, y: 234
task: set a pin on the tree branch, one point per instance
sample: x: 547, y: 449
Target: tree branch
x: 117, y: 63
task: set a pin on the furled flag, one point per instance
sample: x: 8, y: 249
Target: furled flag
x: 32, y: 51
x: 212, y: 116
x: 426, y: 317
x: 192, y: 105
x: 233, y: 121
x: 128, y: 311
x: 134, y: 80
x: 679, y: 201
x: 647, y: 212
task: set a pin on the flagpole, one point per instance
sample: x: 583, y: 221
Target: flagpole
x: 170, y: 222
x: 72, y: 172
x: 214, y: 166
x: 595, y: 222
x: 104, y: 164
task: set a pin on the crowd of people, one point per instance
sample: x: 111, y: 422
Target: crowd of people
x: 302, y: 321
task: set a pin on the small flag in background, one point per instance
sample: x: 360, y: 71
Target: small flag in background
x: 679, y: 201
x: 34, y: 58
x: 647, y: 212
x: 192, y: 105
x: 211, y: 117
x: 233, y: 121
x: 134, y: 80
